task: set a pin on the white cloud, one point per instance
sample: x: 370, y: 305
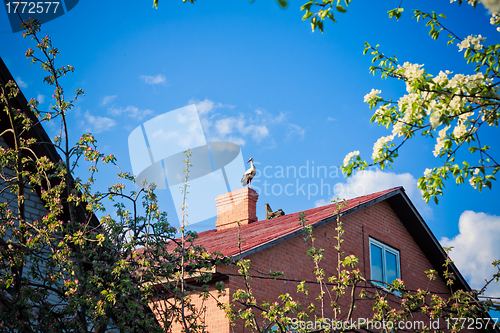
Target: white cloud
x: 238, y: 129
x: 206, y: 106
x: 295, y: 131
x: 475, y: 248
x: 259, y: 132
x: 40, y: 98
x: 107, y: 99
x: 21, y: 83
x: 224, y: 126
x: 96, y: 124
x: 236, y: 140
x: 331, y: 119
x: 131, y: 111
x: 157, y: 79
x: 279, y: 118
x: 185, y: 131
x: 370, y: 181
x: 241, y: 125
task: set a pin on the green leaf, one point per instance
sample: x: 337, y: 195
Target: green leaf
x: 306, y: 6
x: 283, y: 3
x: 341, y: 9
x: 307, y: 15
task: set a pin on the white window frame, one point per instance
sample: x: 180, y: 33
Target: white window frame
x: 385, y: 249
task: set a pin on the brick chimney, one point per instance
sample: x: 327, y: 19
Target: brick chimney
x: 239, y: 205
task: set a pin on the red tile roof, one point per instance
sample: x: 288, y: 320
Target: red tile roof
x: 258, y: 234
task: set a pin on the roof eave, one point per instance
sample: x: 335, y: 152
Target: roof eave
x: 423, y: 236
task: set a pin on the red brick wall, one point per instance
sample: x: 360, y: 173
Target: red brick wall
x: 377, y: 221
x: 213, y: 317
x: 237, y: 206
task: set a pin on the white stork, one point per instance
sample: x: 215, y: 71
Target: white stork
x: 249, y: 174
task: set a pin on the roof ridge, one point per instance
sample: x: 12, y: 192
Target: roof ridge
x: 371, y: 195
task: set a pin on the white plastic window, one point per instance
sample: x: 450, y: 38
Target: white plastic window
x: 384, y: 263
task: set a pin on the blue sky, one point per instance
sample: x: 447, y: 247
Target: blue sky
x: 261, y: 79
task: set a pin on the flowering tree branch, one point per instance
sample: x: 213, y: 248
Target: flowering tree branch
x: 454, y: 108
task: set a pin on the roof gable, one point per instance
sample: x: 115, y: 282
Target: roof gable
x: 263, y: 234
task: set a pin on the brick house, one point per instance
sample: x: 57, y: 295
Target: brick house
x: 383, y: 230
x: 34, y: 206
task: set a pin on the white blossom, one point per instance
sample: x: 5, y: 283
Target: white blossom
x: 473, y: 81
x: 411, y: 71
x: 471, y: 41
x: 440, y: 141
x: 470, y: 2
x: 455, y: 102
x: 381, y: 111
x: 472, y: 182
x: 348, y: 157
x: 495, y: 18
x: 431, y: 106
x: 459, y: 130
x: 427, y: 172
x: 398, y: 129
x: 379, y: 145
x: 438, y: 147
x: 456, y: 81
x: 435, y: 118
x: 411, y: 104
x: 442, y: 132
x: 441, y: 78
x: 370, y: 96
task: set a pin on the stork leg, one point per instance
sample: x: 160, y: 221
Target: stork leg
x: 250, y: 184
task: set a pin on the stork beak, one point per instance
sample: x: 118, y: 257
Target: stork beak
x: 250, y: 160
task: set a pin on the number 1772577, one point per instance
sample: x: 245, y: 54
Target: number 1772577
x: 31, y: 7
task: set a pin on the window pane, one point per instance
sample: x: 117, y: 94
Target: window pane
x: 376, y: 262
x: 391, y: 268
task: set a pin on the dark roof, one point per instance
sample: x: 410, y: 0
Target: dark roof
x: 44, y: 146
x: 36, y: 131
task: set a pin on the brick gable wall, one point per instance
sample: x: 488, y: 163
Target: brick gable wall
x: 377, y: 221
